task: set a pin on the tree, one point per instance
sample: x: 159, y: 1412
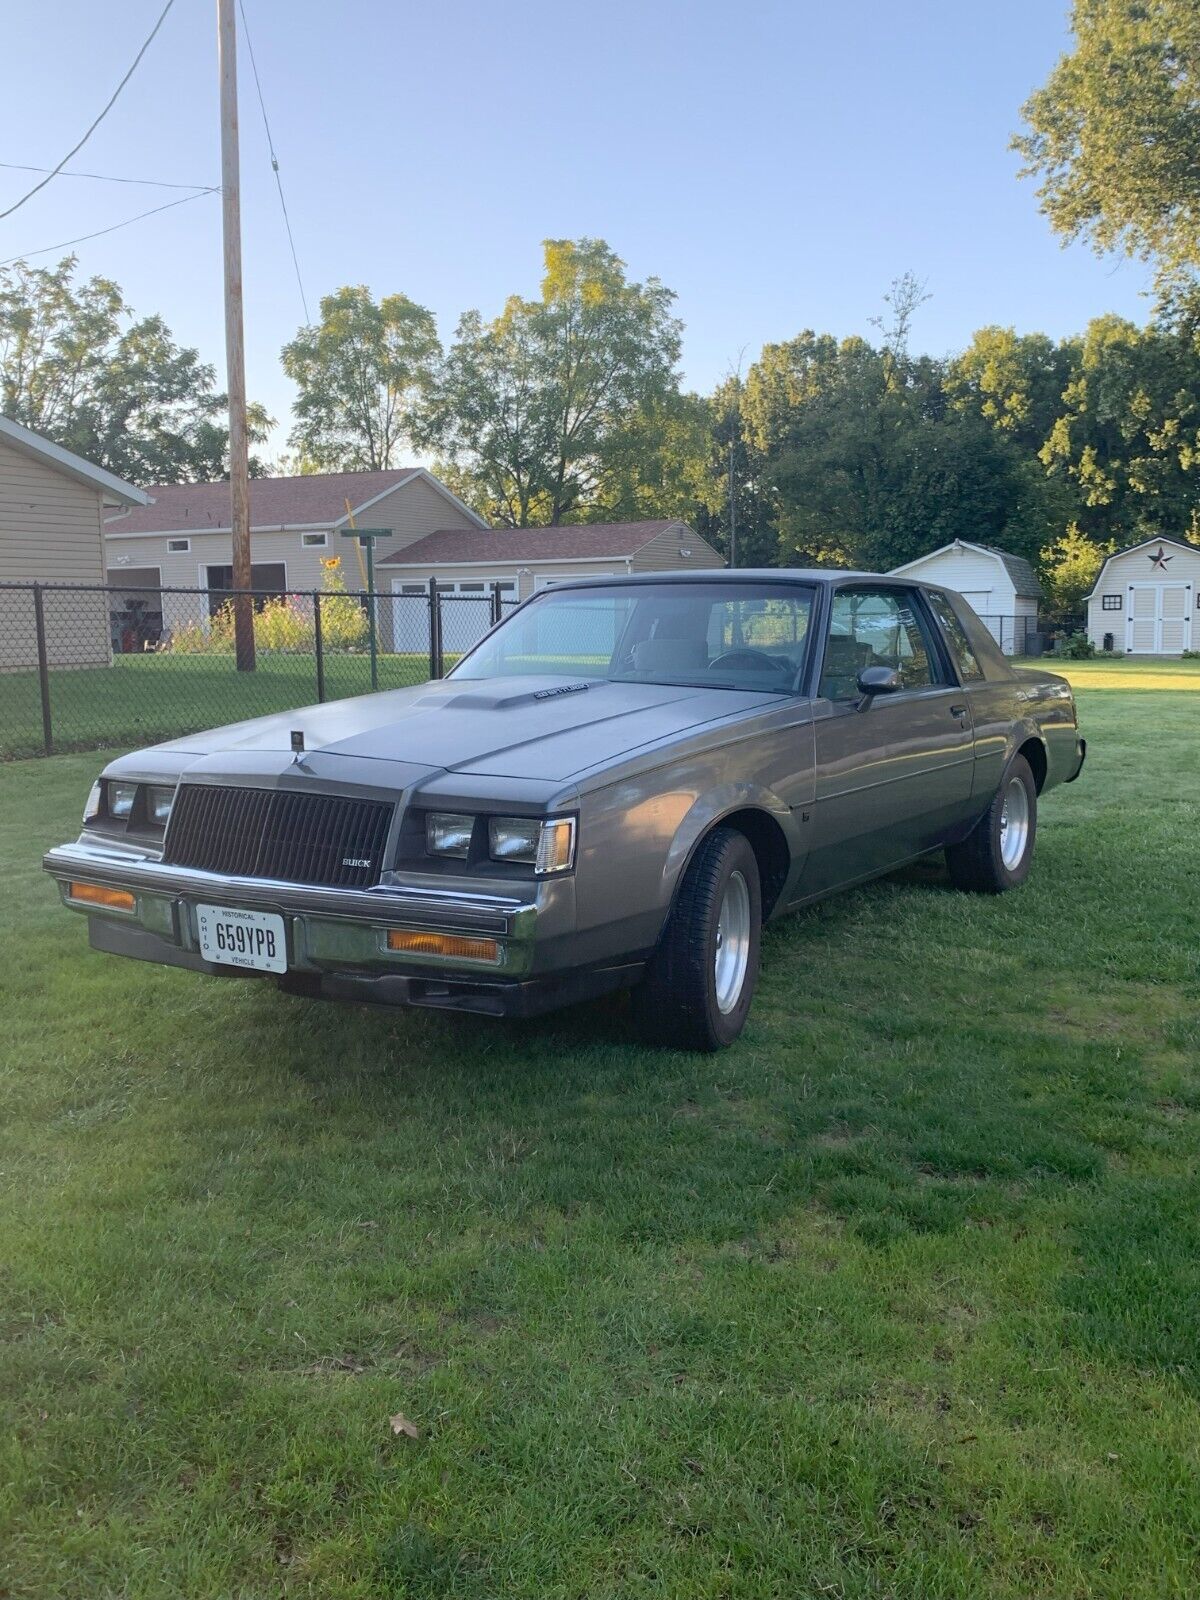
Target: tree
x: 1127, y: 437
x: 76, y: 368
x: 869, y: 462
x: 1070, y: 567
x: 362, y: 371
x: 1114, y: 131
x: 534, y: 411
x: 1016, y: 381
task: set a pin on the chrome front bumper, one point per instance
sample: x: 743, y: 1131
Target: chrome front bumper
x: 329, y: 930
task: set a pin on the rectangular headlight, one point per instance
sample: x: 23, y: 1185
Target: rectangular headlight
x: 120, y: 799
x: 546, y: 846
x: 447, y: 834
x: 158, y: 805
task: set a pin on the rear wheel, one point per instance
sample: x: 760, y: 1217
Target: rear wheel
x: 998, y: 853
x: 698, y: 986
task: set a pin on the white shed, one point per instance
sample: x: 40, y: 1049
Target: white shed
x: 1002, y: 588
x: 1146, y: 598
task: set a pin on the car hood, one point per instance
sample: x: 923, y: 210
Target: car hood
x: 532, y: 727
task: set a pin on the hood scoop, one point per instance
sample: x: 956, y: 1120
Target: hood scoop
x: 491, y: 697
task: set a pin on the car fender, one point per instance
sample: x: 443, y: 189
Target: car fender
x: 709, y: 811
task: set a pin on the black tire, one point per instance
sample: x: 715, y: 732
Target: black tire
x: 676, y: 1003
x: 978, y: 864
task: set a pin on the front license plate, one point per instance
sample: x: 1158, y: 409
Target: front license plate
x: 254, y: 939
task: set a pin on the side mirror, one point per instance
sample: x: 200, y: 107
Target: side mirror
x: 878, y: 680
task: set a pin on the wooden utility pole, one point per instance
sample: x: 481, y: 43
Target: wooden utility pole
x: 235, y: 354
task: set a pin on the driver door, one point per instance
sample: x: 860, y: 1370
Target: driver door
x: 893, y: 771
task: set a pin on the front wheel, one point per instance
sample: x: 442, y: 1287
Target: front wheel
x: 998, y: 853
x: 698, y: 986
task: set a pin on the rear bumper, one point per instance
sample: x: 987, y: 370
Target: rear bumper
x: 1079, y: 763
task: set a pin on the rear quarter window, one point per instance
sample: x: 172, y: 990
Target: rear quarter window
x: 955, y: 635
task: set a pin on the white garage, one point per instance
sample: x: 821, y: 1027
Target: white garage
x: 1145, y: 600
x: 1002, y: 589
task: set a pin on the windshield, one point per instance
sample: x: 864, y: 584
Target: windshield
x: 719, y: 635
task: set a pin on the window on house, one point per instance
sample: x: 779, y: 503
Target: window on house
x: 1110, y: 602
x: 314, y: 541
x: 178, y: 547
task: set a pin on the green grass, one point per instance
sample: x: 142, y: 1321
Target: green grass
x: 143, y: 698
x: 896, y: 1298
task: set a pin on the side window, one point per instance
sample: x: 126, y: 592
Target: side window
x: 875, y: 628
x: 965, y: 658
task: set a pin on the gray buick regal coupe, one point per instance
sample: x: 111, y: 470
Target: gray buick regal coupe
x: 614, y: 789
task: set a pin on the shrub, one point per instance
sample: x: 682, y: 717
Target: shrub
x: 284, y: 624
x: 343, y: 620
x: 1076, y: 647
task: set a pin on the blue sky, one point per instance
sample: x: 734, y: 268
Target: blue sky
x: 775, y: 164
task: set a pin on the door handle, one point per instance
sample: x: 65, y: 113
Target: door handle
x: 958, y: 711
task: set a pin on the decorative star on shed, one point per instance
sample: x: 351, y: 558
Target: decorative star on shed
x: 1160, y: 558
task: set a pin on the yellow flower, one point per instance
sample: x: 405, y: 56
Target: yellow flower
x: 330, y: 562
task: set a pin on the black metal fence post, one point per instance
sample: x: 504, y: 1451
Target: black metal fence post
x: 435, y: 630
x: 496, y: 612
x: 318, y: 645
x: 39, y: 621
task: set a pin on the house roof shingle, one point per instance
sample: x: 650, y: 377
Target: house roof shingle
x: 1024, y: 578
x: 590, y: 541
x: 317, y: 498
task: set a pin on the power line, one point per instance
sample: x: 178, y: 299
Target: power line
x: 75, y: 149
x: 66, y: 243
x: 105, y: 177
x: 274, y: 162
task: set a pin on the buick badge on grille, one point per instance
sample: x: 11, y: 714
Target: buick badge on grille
x: 355, y: 861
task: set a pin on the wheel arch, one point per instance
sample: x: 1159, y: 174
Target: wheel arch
x: 1034, y: 750
x: 763, y: 828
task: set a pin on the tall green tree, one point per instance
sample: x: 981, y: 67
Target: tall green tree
x: 870, y: 463
x: 1113, y: 134
x: 534, y: 412
x: 77, y: 367
x: 362, y: 371
x: 1015, y: 381
x: 1127, y: 437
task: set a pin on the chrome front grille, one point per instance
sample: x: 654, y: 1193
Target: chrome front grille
x: 291, y: 836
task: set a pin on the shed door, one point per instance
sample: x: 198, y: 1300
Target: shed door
x: 1158, y: 619
x: 1174, y: 620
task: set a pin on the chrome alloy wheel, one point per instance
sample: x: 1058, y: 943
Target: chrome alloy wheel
x: 732, y: 956
x: 1014, y: 824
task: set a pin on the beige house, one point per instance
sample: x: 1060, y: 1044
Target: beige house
x: 182, y: 537
x: 1146, y: 600
x: 468, y: 562
x: 52, y: 510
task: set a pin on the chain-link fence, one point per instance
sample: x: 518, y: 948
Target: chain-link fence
x: 1012, y: 634
x: 82, y: 666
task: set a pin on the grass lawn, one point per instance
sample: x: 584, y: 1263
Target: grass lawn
x: 899, y: 1297
x: 140, y: 699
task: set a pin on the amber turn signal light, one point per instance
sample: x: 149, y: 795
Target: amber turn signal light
x: 94, y: 894
x: 418, y: 943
